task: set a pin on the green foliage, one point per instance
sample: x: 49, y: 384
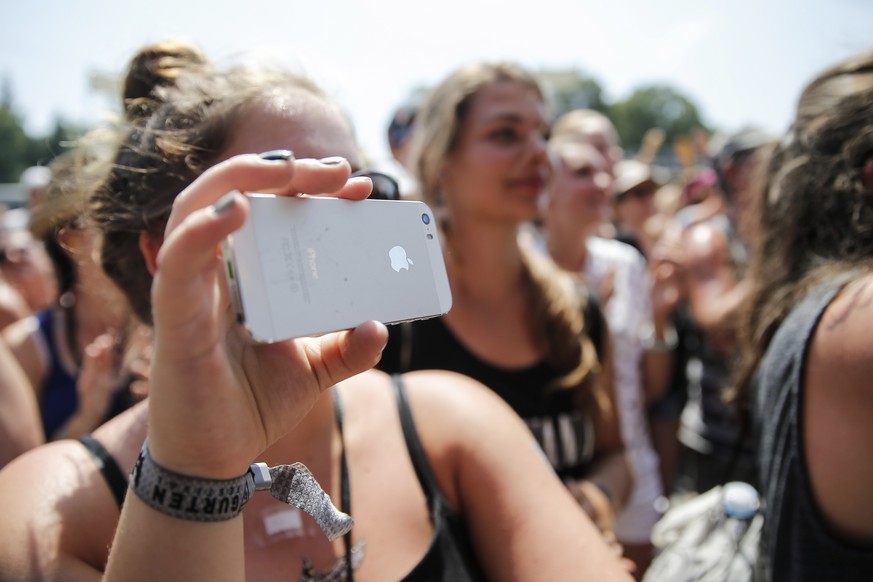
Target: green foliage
x: 19, y: 151
x: 569, y: 90
x: 654, y: 106
x: 14, y: 144
x: 648, y: 107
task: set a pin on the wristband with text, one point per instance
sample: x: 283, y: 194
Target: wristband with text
x: 193, y: 498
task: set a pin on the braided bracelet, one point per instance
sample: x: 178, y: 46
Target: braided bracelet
x: 192, y: 498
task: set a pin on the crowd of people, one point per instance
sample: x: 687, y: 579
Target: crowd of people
x: 623, y: 336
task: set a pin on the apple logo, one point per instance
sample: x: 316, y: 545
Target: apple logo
x: 399, y: 260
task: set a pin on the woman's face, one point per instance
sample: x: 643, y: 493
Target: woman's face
x: 499, y: 166
x: 299, y: 122
x: 580, y: 188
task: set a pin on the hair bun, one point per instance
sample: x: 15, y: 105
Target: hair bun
x: 152, y: 67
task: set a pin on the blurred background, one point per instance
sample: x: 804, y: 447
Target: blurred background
x: 692, y: 68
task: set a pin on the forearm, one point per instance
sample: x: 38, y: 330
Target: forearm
x: 150, y: 545
x: 612, y: 476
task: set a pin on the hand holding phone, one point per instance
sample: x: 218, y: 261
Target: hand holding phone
x: 304, y: 265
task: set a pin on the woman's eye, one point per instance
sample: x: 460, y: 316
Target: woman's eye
x: 504, y: 134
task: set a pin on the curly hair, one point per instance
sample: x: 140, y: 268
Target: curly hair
x: 815, y: 214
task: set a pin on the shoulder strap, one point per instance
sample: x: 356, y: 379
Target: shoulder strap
x: 107, y: 466
x: 346, y: 498
x: 413, y: 444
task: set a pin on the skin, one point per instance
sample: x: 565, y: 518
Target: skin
x: 20, y: 425
x: 217, y: 403
x: 837, y: 407
x: 577, y: 203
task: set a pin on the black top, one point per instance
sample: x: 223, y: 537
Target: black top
x: 450, y: 556
x: 798, y: 543
x: 565, y: 434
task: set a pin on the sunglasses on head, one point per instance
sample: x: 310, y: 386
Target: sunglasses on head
x: 384, y: 186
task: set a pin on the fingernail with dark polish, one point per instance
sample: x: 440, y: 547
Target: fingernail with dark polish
x: 332, y: 161
x: 277, y: 155
x: 224, y: 203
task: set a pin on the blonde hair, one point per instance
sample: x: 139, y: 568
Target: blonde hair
x: 557, y: 316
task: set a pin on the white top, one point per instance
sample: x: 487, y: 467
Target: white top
x: 626, y: 310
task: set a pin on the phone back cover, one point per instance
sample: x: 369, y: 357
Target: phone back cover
x: 328, y: 264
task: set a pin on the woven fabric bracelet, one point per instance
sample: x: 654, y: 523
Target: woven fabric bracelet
x: 192, y: 498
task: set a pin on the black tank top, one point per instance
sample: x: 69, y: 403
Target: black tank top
x: 565, y: 434
x: 450, y: 556
x: 798, y: 543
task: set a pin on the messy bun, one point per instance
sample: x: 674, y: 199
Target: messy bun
x: 152, y: 68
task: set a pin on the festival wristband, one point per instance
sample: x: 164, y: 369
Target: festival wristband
x: 192, y: 498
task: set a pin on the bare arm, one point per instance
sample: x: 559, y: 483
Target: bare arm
x: 20, y: 424
x: 524, y: 523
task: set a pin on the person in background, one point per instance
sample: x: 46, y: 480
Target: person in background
x: 575, y: 208
x: 399, y: 136
x: 590, y: 126
x: 518, y: 324
x: 68, y: 350
x: 715, y: 254
x: 24, y: 265
x: 430, y: 498
x: 633, y: 204
x: 807, y: 356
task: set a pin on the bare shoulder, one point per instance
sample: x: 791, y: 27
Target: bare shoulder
x: 843, y: 334
x: 838, y: 405
x: 451, y: 399
x: 447, y: 402
x: 58, y: 516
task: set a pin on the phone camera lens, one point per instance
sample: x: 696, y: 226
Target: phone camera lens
x: 425, y: 218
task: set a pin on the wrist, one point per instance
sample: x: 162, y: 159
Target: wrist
x: 193, y: 498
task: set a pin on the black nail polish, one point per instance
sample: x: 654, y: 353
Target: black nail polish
x: 277, y: 155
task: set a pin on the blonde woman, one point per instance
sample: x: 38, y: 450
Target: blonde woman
x: 518, y: 324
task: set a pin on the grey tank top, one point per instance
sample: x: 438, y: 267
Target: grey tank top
x: 798, y: 544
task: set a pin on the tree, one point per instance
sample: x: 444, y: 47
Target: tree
x: 571, y: 90
x: 13, y: 139
x: 655, y: 106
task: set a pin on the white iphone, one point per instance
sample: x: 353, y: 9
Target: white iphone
x: 308, y: 265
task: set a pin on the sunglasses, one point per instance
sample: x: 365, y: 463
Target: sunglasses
x: 384, y: 186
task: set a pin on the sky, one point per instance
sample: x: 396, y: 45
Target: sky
x: 743, y: 62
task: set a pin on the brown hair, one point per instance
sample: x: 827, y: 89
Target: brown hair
x: 815, y: 215
x: 178, y: 129
x: 557, y: 318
